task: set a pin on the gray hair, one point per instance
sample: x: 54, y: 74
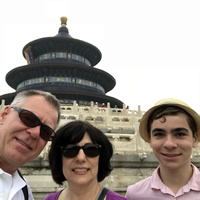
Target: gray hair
x: 50, y: 98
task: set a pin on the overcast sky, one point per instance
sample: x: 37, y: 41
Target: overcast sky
x: 151, y: 47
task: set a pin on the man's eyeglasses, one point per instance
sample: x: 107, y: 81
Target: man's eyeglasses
x: 72, y: 150
x: 31, y: 120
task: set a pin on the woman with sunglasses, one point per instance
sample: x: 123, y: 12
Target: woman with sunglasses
x: 80, y: 153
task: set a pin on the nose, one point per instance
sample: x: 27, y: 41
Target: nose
x: 81, y: 156
x: 34, y: 131
x: 170, y: 142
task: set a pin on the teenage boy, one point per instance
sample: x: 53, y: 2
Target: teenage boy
x: 172, y: 130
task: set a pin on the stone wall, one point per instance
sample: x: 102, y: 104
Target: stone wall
x: 127, y: 170
x: 132, y: 160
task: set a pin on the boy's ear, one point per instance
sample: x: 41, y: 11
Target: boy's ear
x: 196, y: 141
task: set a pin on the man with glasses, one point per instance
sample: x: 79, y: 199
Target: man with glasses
x: 25, y: 127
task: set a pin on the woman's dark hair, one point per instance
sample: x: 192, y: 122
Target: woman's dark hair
x: 73, y: 133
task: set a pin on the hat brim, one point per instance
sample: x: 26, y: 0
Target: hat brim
x: 144, y: 121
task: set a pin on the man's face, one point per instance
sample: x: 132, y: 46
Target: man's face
x: 172, y: 141
x: 18, y: 142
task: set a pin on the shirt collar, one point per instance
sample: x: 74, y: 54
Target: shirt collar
x: 193, y: 183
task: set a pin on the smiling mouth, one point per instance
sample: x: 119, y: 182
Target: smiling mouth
x: 21, y: 142
x: 171, y: 155
x: 80, y: 170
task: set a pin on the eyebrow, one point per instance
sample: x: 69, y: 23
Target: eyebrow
x: 180, y: 130
x: 173, y: 130
x: 158, y: 130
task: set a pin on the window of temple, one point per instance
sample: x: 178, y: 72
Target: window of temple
x: 64, y: 55
x: 52, y: 79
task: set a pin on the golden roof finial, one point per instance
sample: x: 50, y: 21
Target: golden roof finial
x: 63, y: 21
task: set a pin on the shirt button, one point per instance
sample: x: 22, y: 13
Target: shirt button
x: 3, y: 175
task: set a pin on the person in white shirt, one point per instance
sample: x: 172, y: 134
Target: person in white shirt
x: 26, y: 125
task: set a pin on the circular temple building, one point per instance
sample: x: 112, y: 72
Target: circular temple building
x: 63, y: 66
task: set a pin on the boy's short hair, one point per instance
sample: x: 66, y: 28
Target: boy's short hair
x: 164, y: 109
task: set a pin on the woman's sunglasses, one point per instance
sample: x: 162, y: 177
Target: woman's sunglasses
x: 72, y: 150
x: 31, y: 120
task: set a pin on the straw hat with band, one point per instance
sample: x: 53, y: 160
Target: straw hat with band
x: 144, y: 121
